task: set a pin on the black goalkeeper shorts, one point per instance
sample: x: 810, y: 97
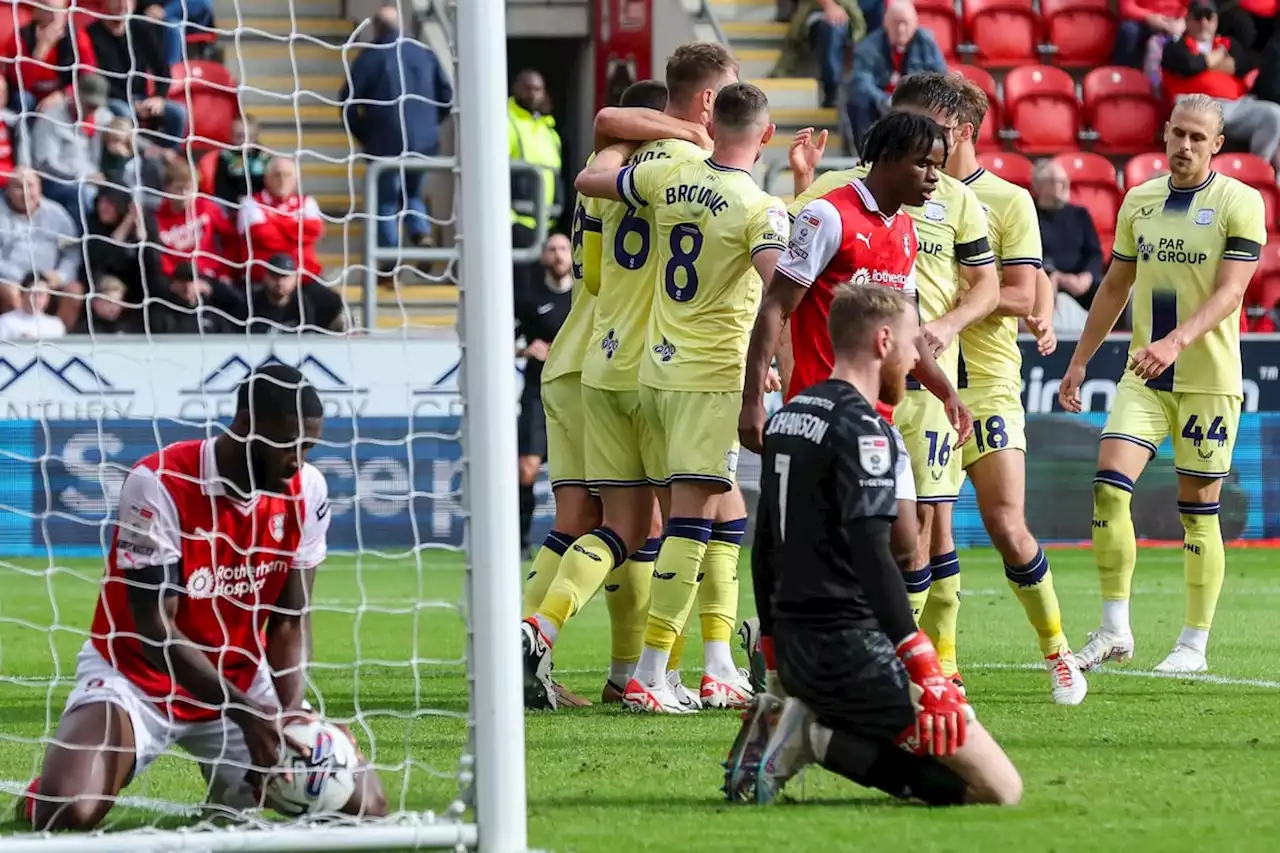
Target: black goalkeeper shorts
x: 850, y: 678
x: 531, y: 428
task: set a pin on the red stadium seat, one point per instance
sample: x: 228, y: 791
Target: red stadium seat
x: 1083, y: 31
x: 1257, y: 173
x: 1267, y: 278
x: 1263, y: 293
x: 1040, y: 104
x: 1093, y: 187
x: 1014, y: 168
x: 939, y: 17
x: 989, y: 133
x: 1143, y: 168
x: 1121, y: 108
x: 1004, y: 32
x: 213, y: 100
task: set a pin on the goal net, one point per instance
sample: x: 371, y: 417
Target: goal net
x: 414, y: 609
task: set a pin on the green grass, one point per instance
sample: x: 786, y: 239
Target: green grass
x: 1144, y: 764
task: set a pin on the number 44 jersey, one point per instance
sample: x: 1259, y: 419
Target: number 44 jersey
x: 710, y: 221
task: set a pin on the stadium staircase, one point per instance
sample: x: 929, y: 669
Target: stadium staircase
x: 292, y: 88
x: 749, y: 29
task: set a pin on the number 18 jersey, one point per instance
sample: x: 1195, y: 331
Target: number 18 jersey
x: 710, y: 222
x: 628, y: 269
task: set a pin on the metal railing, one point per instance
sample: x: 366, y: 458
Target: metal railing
x: 375, y: 255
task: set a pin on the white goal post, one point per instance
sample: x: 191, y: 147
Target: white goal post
x: 489, y: 815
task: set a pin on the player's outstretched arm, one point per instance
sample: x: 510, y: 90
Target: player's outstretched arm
x: 1108, y: 303
x: 640, y: 124
x: 604, y: 177
x: 1228, y: 293
x: 780, y: 301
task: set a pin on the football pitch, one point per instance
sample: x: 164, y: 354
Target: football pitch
x: 1147, y: 763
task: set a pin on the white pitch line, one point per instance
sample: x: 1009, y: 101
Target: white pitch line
x: 11, y: 786
x: 1205, y: 677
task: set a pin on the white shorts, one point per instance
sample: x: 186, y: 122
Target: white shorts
x: 217, y: 745
x: 905, y: 488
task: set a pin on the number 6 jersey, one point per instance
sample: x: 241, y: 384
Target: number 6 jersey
x: 710, y: 222
x: 627, y: 268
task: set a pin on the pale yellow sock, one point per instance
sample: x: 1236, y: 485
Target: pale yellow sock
x: 583, y: 570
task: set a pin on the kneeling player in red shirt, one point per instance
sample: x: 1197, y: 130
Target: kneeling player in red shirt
x: 200, y: 634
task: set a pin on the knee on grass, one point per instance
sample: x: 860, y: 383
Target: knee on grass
x: 995, y: 789
x: 57, y: 808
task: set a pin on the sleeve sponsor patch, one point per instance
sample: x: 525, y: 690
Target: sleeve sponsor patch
x: 779, y: 222
x: 874, y: 455
x: 806, y: 229
x: 138, y: 518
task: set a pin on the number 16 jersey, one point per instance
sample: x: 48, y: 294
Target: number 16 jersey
x: 628, y: 269
x: 710, y: 222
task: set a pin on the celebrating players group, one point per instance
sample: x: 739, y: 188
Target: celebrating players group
x: 884, y: 302
x: 891, y: 310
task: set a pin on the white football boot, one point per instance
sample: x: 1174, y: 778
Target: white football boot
x: 653, y: 698
x: 1069, y: 686
x: 1104, y: 646
x: 686, y: 697
x: 743, y: 761
x: 1183, y: 659
x: 734, y: 692
x: 787, y: 753
x: 539, y: 689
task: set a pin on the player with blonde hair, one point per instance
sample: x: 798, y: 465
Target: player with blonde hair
x: 1186, y: 247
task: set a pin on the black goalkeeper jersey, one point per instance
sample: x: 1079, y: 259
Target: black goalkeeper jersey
x: 828, y: 470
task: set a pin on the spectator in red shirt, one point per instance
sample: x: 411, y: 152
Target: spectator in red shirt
x: 1142, y: 19
x: 194, y: 229
x: 281, y: 220
x: 1205, y: 63
x: 48, y: 54
x: 883, y: 58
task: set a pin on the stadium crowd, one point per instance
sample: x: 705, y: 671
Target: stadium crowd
x: 1049, y: 69
x: 117, y: 219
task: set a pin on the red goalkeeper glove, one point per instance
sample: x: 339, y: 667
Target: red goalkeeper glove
x: 941, y: 710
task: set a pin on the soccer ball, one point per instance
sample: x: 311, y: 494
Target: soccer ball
x: 322, y: 783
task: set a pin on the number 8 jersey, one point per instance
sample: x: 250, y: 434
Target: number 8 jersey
x: 710, y: 221
x: 628, y: 265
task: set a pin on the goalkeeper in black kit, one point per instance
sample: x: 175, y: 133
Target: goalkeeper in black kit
x: 856, y: 687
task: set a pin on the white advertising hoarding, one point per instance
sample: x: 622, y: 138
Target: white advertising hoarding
x: 195, y: 379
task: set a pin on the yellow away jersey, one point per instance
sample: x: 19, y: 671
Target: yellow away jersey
x: 952, y: 229
x: 1176, y: 237
x: 710, y: 221
x: 628, y: 268
x: 989, y: 353
x: 570, y: 344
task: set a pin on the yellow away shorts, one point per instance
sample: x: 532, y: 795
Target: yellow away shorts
x: 999, y: 421
x: 566, y: 441
x: 931, y: 442
x: 695, y: 433
x: 617, y: 437
x: 1203, y: 426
